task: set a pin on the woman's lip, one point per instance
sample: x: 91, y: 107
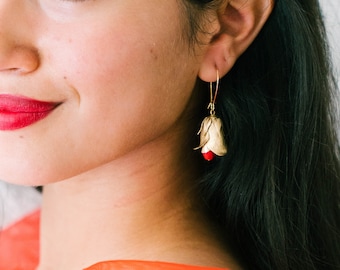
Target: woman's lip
x: 18, y: 112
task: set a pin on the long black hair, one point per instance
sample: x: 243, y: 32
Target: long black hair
x: 276, y: 192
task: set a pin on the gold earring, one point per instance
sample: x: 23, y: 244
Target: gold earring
x: 211, y: 133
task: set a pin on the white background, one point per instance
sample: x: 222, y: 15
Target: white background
x: 331, y: 10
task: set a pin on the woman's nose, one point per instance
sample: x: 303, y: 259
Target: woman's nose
x: 17, y: 59
x: 17, y: 54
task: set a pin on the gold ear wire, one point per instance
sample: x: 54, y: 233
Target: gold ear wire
x: 213, y: 97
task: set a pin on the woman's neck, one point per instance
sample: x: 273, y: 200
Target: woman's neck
x: 79, y: 229
x: 133, y: 208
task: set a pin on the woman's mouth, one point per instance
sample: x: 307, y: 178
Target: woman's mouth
x: 18, y: 112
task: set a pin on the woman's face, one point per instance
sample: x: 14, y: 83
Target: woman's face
x: 120, y: 69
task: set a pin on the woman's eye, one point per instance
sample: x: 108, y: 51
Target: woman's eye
x: 67, y: 10
x: 73, y: 0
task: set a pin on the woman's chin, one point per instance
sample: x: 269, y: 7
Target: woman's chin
x: 27, y: 178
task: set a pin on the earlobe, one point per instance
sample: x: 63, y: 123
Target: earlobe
x: 240, y: 22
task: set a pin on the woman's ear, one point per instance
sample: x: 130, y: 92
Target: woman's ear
x: 240, y: 21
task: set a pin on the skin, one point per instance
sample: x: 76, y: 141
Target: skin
x: 71, y: 52
x: 125, y: 80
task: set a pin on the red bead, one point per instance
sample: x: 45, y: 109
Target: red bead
x: 208, y: 156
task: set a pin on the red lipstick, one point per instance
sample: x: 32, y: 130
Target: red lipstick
x: 18, y: 112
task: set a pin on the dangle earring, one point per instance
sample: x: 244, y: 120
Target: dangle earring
x: 211, y: 134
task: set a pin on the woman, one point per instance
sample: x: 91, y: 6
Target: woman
x: 101, y: 102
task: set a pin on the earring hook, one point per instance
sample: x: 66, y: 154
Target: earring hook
x: 213, y: 97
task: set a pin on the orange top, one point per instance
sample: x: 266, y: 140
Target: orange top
x: 144, y: 265
x: 19, y: 244
x: 19, y: 250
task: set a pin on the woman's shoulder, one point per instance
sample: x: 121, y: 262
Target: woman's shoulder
x: 146, y: 265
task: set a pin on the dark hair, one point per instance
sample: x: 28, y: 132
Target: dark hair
x: 276, y: 192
